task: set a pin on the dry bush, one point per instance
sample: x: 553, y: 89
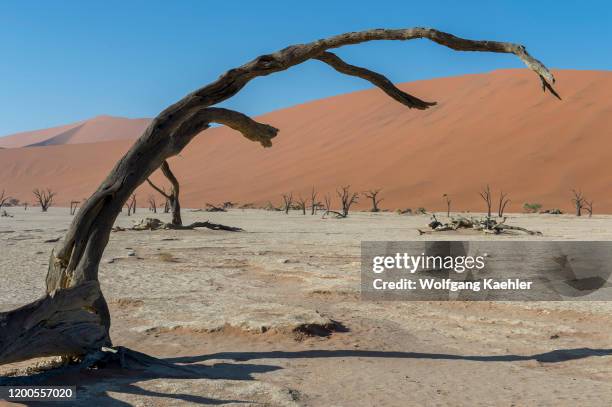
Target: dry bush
x: 532, y: 207
x: 167, y: 257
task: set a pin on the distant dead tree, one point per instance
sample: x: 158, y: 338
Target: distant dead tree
x: 44, y: 198
x: 486, y: 196
x: 72, y: 319
x: 172, y: 199
x: 287, y: 202
x: 3, y: 199
x: 327, y: 204
x: 578, y: 201
x: 166, y: 203
x: 373, y: 194
x: 314, y: 205
x: 347, y: 199
x: 152, y: 204
x: 131, y: 205
x: 301, y: 203
x: 503, y: 201
x: 74, y: 206
x: 589, y: 207
x: 448, y: 204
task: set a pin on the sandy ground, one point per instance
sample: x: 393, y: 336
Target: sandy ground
x: 239, y: 311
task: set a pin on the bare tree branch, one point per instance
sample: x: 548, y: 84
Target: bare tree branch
x: 158, y: 189
x: 376, y: 79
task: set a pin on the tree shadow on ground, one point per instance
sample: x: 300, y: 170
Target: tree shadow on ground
x: 555, y: 356
x: 115, y: 379
x: 95, y: 385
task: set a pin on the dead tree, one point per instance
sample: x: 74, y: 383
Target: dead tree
x: 152, y: 204
x: 44, y: 198
x: 301, y: 203
x: 448, y: 204
x: 373, y: 194
x: 3, y: 199
x: 166, y: 203
x: 287, y: 202
x: 503, y: 201
x: 486, y: 196
x: 172, y: 199
x: 327, y: 204
x: 589, y: 207
x: 131, y: 205
x: 156, y: 224
x: 314, y: 205
x: 485, y: 225
x: 346, y: 200
x: 73, y: 319
x: 74, y: 206
x: 578, y: 201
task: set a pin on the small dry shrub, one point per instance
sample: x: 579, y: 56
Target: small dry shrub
x: 167, y: 257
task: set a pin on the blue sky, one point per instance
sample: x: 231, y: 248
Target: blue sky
x: 65, y: 61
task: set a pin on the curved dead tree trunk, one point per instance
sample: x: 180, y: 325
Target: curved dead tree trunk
x: 73, y: 317
x: 173, y: 197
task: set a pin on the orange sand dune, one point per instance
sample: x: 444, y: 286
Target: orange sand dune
x: 497, y: 128
x: 100, y: 128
